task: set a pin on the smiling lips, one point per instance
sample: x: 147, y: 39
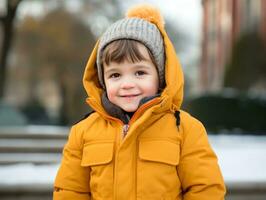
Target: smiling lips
x: 129, y: 95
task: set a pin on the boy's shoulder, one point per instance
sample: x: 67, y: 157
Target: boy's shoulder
x: 86, y: 121
x: 84, y: 117
x: 187, y: 121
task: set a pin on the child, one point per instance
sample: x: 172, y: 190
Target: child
x: 137, y: 144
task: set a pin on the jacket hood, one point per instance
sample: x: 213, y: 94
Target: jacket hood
x: 172, y: 95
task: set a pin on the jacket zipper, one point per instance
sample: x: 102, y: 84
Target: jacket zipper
x: 125, y: 130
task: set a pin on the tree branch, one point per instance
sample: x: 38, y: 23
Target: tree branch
x: 2, y: 19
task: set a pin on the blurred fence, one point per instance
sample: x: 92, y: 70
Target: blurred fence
x: 42, y: 146
x: 33, y: 144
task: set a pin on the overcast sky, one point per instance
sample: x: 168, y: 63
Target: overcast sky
x: 187, y: 13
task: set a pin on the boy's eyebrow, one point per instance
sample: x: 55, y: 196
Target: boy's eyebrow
x: 110, y: 69
x: 143, y: 66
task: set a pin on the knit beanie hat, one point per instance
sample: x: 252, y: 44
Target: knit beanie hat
x: 141, y: 24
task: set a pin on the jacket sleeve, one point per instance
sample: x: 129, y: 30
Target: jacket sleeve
x: 72, y: 180
x: 198, y: 169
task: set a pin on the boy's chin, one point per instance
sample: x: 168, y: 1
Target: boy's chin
x: 130, y: 109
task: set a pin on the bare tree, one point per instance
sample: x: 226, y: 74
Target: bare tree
x: 7, y: 21
x: 57, y: 44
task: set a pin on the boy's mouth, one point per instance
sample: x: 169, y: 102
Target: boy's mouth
x: 129, y: 95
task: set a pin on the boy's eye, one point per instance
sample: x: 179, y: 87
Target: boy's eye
x: 140, y: 73
x: 114, y: 75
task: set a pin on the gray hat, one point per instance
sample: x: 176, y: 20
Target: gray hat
x: 137, y: 29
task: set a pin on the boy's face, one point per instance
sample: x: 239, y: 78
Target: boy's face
x: 127, y: 83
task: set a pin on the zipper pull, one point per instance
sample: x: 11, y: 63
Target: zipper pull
x: 125, y: 129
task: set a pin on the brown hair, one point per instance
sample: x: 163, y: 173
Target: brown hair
x: 123, y: 49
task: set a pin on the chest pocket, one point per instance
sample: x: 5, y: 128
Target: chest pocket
x: 157, y: 175
x: 97, y: 154
x: 162, y: 151
x: 98, y: 157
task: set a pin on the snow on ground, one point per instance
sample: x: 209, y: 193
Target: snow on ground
x: 27, y: 174
x: 241, y: 158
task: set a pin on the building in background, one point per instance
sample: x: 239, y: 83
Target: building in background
x: 224, y: 21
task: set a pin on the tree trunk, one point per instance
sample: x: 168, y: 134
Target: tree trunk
x: 7, y: 24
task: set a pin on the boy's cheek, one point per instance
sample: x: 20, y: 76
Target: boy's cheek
x: 110, y: 93
x: 109, y: 86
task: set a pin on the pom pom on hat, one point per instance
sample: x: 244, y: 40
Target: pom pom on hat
x: 146, y: 12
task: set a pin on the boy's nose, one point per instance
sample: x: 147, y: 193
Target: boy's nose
x: 127, y: 84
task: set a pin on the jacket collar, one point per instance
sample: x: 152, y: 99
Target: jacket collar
x: 117, y: 112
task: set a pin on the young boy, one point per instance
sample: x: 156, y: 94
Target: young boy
x: 137, y: 144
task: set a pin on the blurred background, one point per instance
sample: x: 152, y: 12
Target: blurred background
x: 44, y: 47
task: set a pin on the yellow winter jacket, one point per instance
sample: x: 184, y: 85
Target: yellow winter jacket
x: 156, y: 159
